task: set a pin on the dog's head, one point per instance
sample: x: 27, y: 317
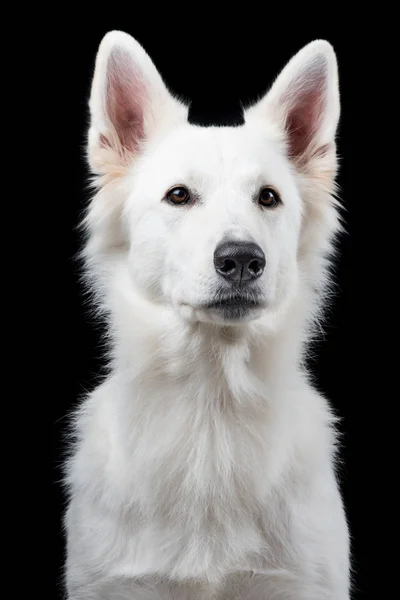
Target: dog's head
x: 222, y: 223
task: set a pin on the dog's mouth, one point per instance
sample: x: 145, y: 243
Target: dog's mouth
x: 235, y: 306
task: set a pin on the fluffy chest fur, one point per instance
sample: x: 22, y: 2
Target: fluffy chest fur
x: 192, y: 461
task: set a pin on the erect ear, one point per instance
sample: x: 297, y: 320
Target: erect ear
x: 304, y: 103
x: 129, y: 103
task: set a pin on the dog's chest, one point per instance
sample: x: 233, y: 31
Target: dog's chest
x: 202, y: 464
x: 199, y: 486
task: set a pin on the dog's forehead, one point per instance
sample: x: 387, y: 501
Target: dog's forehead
x: 220, y: 152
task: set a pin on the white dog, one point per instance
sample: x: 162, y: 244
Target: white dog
x: 204, y: 465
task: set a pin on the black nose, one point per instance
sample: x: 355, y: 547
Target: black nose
x: 239, y: 261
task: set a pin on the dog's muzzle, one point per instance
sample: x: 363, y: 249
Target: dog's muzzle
x: 239, y: 265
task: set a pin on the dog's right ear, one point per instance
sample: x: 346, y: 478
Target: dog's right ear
x: 129, y: 104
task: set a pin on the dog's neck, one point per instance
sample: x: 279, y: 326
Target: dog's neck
x: 245, y: 360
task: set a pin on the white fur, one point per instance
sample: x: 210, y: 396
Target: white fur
x: 204, y: 464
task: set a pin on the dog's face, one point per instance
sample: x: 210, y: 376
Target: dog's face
x: 211, y: 218
x: 214, y: 219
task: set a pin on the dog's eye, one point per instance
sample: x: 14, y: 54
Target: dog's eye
x: 269, y: 197
x: 178, y: 195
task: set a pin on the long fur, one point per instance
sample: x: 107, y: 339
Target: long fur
x: 203, y: 466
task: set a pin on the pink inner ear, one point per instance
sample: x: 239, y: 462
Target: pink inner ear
x: 306, y: 101
x: 126, y: 97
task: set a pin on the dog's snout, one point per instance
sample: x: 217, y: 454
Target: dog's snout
x: 239, y: 261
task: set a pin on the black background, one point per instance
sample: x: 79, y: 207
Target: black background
x: 216, y: 68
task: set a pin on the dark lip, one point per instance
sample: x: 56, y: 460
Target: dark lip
x: 233, y: 303
x: 244, y: 301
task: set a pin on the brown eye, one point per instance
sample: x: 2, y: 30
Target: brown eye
x: 178, y: 195
x: 269, y: 198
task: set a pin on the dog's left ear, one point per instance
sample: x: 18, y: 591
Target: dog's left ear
x: 304, y: 104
